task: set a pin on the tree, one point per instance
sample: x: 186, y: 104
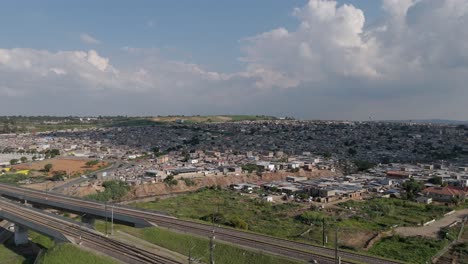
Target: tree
x: 59, y: 176
x: 363, y: 165
x: 47, y: 167
x: 170, y: 180
x: 435, y: 180
x: 412, y: 188
x: 14, y: 161
x: 34, y: 158
x: 352, y: 151
x: 23, y: 159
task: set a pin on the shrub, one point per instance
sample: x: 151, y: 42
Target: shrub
x: 238, y: 223
x: 170, y: 180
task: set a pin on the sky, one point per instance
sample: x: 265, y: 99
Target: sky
x: 311, y: 59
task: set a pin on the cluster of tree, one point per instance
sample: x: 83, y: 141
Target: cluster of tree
x: 51, y: 153
x: 189, y: 182
x: 169, y: 180
x: 363, y: 165
x: 251, y: 167
x: 158, y: 153
x: 114, y: 191
x: 22, y: 159
x: 412, y: 188
x: 59, y: 175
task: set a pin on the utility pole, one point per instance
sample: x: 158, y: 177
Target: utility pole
x: 105, y: 214
x: 112, y: 220
x: 323, y: 232
x: 190, y: 256
x: 46, y: 189
x: 81, y: 228
x: 212, y: 245
x: 337, y: 260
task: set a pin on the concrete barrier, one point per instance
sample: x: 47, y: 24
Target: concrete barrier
x: 429, y: 222
x: 449, y: 213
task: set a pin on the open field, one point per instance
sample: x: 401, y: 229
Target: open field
x: 381, y: 214
x: 408, y: 249
x: 70, y: 166
x: 224, y: 253
x: 241, y: 211
x: 357, y: 221
x: 260, y: 216
x: 212, y: 119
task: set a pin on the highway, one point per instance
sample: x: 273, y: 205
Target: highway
x: 82, y: 235
x: 245, y: 239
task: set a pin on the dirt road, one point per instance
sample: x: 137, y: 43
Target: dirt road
x: 432, y: 229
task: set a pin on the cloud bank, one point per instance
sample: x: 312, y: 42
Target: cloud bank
x: 411, y: 63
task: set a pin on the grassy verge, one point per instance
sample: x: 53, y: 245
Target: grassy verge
x: 16, y: 178
x: 408, y: 249
x: 182, y: 243
x: 11, y: 254
x: 71, y: 254
x: 41, y: 240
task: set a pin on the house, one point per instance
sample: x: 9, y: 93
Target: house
x: 397, y: 175
x: 444, y: 194
x: 296, y: 178
x: 424, y: 200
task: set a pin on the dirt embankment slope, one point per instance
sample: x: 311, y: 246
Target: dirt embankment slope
x: 163, y: 189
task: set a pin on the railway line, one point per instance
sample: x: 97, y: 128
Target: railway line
x: 86, y: 237
x: 264, y: 243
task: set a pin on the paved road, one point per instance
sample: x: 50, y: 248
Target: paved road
x: 432, y: 230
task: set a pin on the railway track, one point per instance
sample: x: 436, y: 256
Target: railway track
x: 87, y: 237
x: 265, y: 243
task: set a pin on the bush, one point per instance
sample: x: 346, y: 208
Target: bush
x: 92, y: 163
x: 311, y: 217
x: 170, y: 180
x: 114, y: 191
x: 217, y: 218
x: 47, y: 167
x: 59, y: 176
x: 190, y: 182
x: 238, y: 223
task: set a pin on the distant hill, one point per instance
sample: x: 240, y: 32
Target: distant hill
x: 212, y: 119
x: 430, y: 121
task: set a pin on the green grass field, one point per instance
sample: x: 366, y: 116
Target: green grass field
x: 9, y: 254
x: 408, y: 249
x: 182, y: 243
x: 71, y: 254
x: 381, y: 214
x: 260, y: 216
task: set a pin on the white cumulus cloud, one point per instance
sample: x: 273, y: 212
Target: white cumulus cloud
x: 88, y: 39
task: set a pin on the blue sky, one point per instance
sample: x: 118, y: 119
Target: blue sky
x: 206, y: 31
x: 317, y: 59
